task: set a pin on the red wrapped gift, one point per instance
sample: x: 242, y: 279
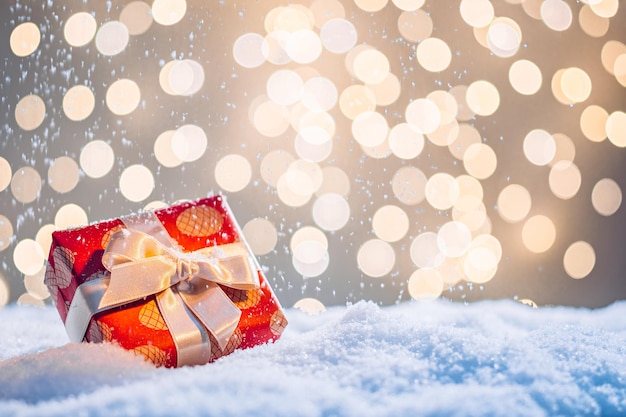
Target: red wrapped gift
x: 178, y: 285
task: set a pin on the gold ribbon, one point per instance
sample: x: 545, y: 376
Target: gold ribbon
x: 185, y: 285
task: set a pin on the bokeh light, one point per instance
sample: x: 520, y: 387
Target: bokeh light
x: 556, y: 14
x: 123, y: 97
x: 63, y: 174
x: 168, y: 12
x: 310, y: 306
x: 539, y: 147
x: 480, y: 160
x: 79, y: 29
x: 6, y: 232
x: 514, y: 203
x: 477, y: 13
x: 30, y: 112
x: 136, y: 183
x: 70, y: 215
x: 606, y: 197
x: 616, y: 128
x: 409, y: 185
x: 331, y: 211
x: 97, y: 158
x: 579, y: 259
x: 25, y: 39
x: 425, y: 251
x: 415, y: 26
x: 4, y: 292
x: 565, y: 179
x: 482, y: 98
x: 525, y: 77
x: 28, y: 257
x: 78, y: 103
x: 261, y: 235
x: 433, y: 54
x: 189, y: 142
x: 376, y: 258
x: 112, y: 38
x: 233, y: 172
x: 26, y: 185
x: 338, y: 35
x: 425, y: 284
x: 137, y: 17
x: 390, y: 223
x: 538, y: 233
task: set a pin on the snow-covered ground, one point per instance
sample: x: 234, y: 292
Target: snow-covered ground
x: 434, y: 359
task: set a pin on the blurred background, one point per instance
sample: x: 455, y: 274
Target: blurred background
x: 370, y: 149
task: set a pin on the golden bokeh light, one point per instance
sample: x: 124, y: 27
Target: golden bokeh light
x: 137, y: 17
x: 556, y: 14
x: 311, y: 306
x: 295, y: 187
x: 291, y: 18
x: 44, y: 237
x: 425, y: 252
x: 424, y: 115
x: 538, y: 234
x: 454, y: 239
x: 306, y: 234
x: 274, y: 48
x: 303, y: 46
x: 78, y: 103
x: 310, y: 258
x: 79, y: 29
x: 25, y: 39
x: 271, y: 119
x: 387, y: 91
x: 532, y: 8
x: 168, y: 12
x: 415, y: 26
x: 370, y: 128
x: 35, y: 286
x: 593, y: 123
x: 70, y: 215
x: 30, y: 112
x: 261, y: 235
x: 112, y: 38
x: 319, y: 94
x: 616, y: 128
x: 514, y: 203
x: 334, y: 180
x: 390, y: 223
x: 405, y: 141
x: 575, y: 85
x: 325, y: 10
x: 5, y: 174
x: 26, y: 185
x: 408, y: 5
x: 164, y: 151
x: 539, y: 147
x: 464, y: 112
x: 605, y: 8
x: 480, y: 265
x: 409, y: 185
x: 338, y: 35
x: 466, y: 137
x: 371, y: 5
x: 477, y: 13
x: 376, y: 258
x: 136, y: 183
x: 525, y: 77
x: 480, y: 160
x: 96, y: 158
x: 189, y: 143
x: 504, y: 37
x: 248, y: 50
x: 313, y: 151
x: 233, y: 173
x: 63, y: 174
x: 445, y: 134
x: 123, y: 97
x: 425, y: 284
x: 565, y: 149
x: 331, y: 212
x: 592, y: 24
x: 4, y: 292
x: 606, y: 197
x: 356, y: 99
x: 371, y: 66
x: 28, y: 257
x: 284, y: 87
x: 610, y: 52
x: 442, y: 191
x: 433, y: 54
x: 579, y: 259
x: 274, y: 165
x: 6, y: 232
x: 482, y: 98
x: 619, y: 69
x: 565, y: 179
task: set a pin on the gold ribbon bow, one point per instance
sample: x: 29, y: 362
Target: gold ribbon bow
x: 185, y: 285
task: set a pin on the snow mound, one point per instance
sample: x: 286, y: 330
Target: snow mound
x: 430, y: 359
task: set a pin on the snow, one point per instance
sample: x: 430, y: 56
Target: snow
x: 434, y: 359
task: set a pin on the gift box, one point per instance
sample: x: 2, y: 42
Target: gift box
x: 178, y: 285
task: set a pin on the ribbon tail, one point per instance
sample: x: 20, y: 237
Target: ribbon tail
x: 85, y: 304
x: 215, y: 310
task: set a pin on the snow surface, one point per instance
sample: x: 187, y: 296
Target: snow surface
x: 433, y: 359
